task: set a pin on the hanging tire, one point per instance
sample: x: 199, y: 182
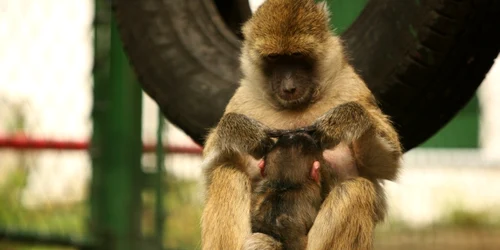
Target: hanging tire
x: 422, y: 59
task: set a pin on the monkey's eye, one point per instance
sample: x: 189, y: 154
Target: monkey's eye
x: 272, y: 57
x: 297, y: 55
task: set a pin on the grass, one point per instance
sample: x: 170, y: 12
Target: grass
x: 182, y: 210
x: 60, y: 220
x: 15, y: 246
x: 461, y: 218
x: 460, y: 230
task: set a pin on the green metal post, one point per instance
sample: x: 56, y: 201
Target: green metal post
x: 116, y: 152
x: 160, y: 163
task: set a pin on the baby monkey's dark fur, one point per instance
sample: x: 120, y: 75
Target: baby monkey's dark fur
x: 286, y: 201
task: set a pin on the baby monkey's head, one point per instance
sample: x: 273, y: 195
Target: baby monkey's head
x: 294, y: 159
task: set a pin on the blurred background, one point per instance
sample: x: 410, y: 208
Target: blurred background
x: 448, y: 194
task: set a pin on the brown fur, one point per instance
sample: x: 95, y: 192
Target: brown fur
x: 262, y: 242
x: 285, y: 27
x: 342, y: 108
x: 287, y: 200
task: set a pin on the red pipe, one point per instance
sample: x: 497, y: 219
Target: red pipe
x: 21, y: 142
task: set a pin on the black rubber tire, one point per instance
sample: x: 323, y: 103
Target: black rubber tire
x: 422, y: 59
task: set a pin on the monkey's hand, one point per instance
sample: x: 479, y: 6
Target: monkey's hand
x: 237, y: 133
x: 344, y: 123
x: 281, y: 132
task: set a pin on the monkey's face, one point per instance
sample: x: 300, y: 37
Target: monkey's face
x: 290, y: 78
x: 283, y: 50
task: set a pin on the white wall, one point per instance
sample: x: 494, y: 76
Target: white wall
x: 489, y: 94
x: 254, y: 4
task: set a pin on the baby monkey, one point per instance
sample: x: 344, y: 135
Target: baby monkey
x: 295, y: 181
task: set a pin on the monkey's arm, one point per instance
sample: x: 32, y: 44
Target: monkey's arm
x: 237, y: 134
x: 374, y: 142
x: 225, y: 220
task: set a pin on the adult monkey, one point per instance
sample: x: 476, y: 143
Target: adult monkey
x: 296, y: 75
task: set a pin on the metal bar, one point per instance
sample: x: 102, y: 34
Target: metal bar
x: 160, y: 164
x: 116, y: 153
x: 37, y: 238
x: 20, y: 143
x: 25, y: 143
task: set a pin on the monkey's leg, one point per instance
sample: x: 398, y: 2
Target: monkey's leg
x: 347, y: 217
x: 377, y: 156
x: 226, y: 215
x: 225, y: 221
x: 260, y: 241
x: 345, y: 165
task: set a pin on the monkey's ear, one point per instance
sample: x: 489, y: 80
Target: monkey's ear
x: 315, y: 171
x: 323, y: 6
x: 262, y: 167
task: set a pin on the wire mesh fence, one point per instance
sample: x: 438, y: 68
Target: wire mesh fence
x: 44, y: 54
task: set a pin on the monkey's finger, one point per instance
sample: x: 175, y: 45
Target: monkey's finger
x: 275, y: 132
x: 309, y: 129
x: 281, y: 132
x: 262, y: 167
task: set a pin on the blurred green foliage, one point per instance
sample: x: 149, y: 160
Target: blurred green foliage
x: 183, y: 210
x: 58, y: 219
x: 462, y: 218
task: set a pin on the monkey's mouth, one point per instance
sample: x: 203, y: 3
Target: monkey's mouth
x: 298, y: 99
